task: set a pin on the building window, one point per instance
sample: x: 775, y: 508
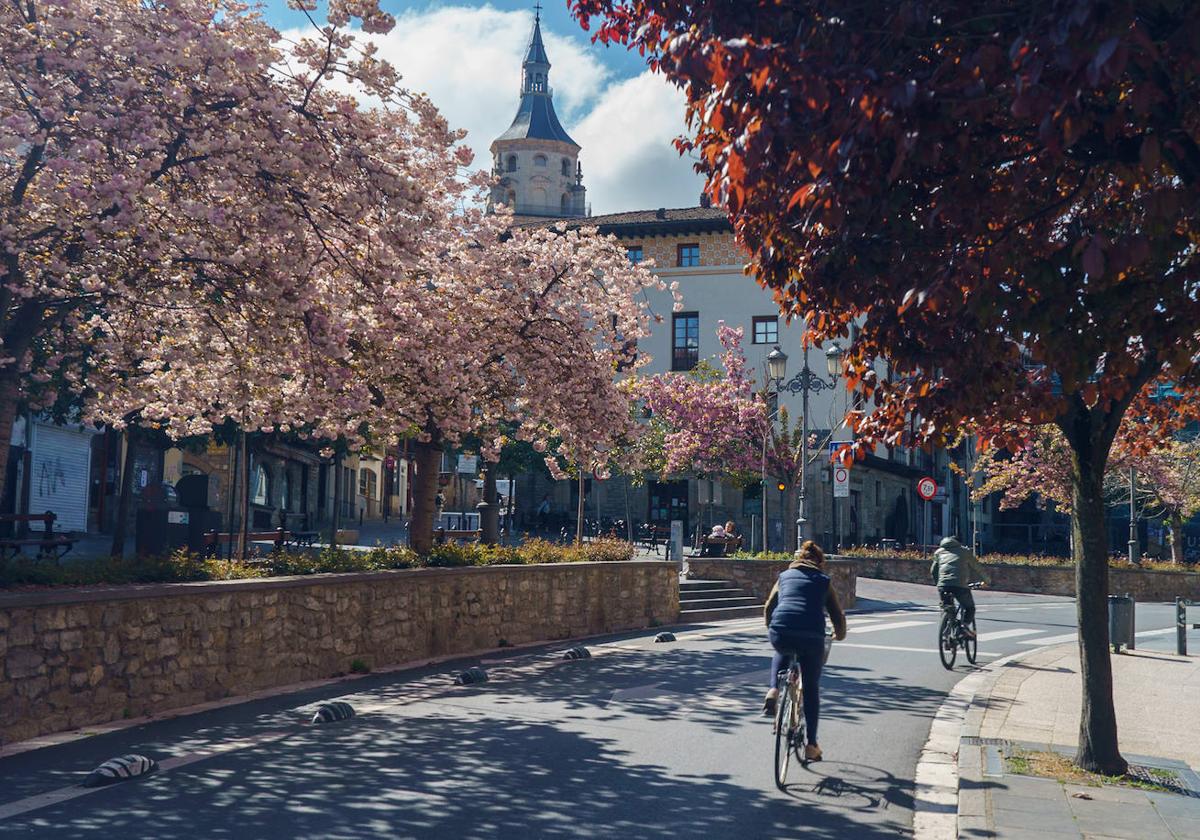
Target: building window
x: 367, y: 482
x: 685, y: 340
x: 512, y: 163
x: 285, y: 489
x: 634, y: 253
x: 766, y: 329
x: 689, y: 255
x: 262, y: 481
x: 566, y: 168
x: 539, y: 160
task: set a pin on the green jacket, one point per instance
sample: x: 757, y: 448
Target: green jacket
x: 954, y: 564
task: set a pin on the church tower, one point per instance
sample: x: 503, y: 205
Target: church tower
x: 536, y: 162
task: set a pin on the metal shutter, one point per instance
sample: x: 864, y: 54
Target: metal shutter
x: 61, y: 460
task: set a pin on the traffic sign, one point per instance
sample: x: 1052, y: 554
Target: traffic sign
x: 841, y: 482
x: 927, y: 488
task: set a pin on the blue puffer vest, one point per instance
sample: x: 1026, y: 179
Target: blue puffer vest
x: 800, y: 612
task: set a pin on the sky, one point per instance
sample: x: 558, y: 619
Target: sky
x: 467, y: 57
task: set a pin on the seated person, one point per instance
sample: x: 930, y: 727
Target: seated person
x: 733, y: 540
x: 714, y: 543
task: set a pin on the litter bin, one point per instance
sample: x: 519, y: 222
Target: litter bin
x: 1120, y: 622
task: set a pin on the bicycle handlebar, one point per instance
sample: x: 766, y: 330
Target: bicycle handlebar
x: 976, y: 585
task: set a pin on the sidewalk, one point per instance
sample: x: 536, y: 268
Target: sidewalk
x: 1033, y: 702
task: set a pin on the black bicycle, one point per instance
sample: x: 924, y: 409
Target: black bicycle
x: 789, y: 717
x: 952, y: 633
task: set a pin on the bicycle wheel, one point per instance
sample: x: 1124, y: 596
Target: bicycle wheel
x: 947, y: 647
x: 798, y: 727
x: 783, y: 736
x: 971, y: 644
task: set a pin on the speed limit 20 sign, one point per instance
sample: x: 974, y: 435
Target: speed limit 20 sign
x: 927, y: 488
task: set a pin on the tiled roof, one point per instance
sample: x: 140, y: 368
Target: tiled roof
x: 536, y: 119
x: 646, y: 222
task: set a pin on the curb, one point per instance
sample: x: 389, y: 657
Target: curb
x: 937, y: 802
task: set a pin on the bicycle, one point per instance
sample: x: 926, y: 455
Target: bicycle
x: 952, y: 634
x: 789, y: 717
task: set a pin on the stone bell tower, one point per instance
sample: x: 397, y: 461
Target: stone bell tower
x: 535, y: 161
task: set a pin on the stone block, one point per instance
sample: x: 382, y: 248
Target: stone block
x: 24, y: 662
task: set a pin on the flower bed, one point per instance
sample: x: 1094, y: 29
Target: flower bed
x: 185, y: 566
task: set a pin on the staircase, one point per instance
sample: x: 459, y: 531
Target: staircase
x: 715, y: 600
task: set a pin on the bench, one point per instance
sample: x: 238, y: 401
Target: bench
x: 652, y: 536
x: 720, y: 546
x: 280, y: 537
x: 49, y: 544
x: 442, y: 535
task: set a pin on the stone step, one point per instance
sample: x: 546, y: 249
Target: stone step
x: 723, y: 614
x: 693, y: 594
x: 717, y: 603
x: 696, y: 585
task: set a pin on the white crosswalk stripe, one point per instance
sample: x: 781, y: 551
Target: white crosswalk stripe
x: 1008, y: 634
x: 894, y: 625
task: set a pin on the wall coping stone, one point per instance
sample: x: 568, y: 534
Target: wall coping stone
x: 1117, y: 570
x: 127, y: 592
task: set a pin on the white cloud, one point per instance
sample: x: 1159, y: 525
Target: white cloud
x: 630, y: 162
x: 468, y: 60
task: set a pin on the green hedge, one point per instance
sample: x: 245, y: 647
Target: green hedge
x: 986, y: 559
x: 186, y: 566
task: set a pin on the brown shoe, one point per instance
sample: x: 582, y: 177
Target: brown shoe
x: 812, y: 752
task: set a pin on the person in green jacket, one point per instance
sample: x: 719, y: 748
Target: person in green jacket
x: 954, y: 567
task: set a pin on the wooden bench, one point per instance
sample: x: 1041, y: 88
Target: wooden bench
x: 212, y: 539
x: 49, y: 544
x: 720, y: 546
x: 441, y: 535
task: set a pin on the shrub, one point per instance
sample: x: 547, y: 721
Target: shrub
x: 184, y: 565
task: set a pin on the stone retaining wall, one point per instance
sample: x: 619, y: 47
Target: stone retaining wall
x: 758, y: 576
x: 71, y: 658
x: 1142, y: 584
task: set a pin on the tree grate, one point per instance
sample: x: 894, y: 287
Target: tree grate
x: 1145, y: 774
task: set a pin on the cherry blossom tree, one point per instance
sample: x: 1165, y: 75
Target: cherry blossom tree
x: 193, y: 206
x: 513, y: 332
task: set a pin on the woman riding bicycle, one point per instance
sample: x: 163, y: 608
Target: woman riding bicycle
x: 795, y: 616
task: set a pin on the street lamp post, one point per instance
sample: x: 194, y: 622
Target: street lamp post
x: 776, y: 371
x: 1134, y: 553
x: 803, y: 383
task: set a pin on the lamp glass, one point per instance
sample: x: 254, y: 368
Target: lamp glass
x: 777, y: 364
x: 833, y: 359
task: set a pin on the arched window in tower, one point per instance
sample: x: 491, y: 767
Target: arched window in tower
x: 539, y: 160
x: 512, y: 163
x: 566, y: 203
x: 566, y: 167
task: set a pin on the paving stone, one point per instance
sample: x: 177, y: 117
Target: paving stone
x: 974, y: 827
x: 1174, y: 805
x: 1036, y: 834
x: 1045, y: 820
x: 1107, y: 794
x: 1031, y: 787
x: 1183, y: 827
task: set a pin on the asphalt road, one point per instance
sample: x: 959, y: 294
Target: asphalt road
x: 643, y: 740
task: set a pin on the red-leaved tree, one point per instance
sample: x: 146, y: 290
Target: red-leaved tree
x: 1005, y: 194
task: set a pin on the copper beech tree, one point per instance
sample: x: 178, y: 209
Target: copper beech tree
x: 1004, y: 194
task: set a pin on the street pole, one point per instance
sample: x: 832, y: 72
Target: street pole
x: 801, y: 518
x: 1134, y: 554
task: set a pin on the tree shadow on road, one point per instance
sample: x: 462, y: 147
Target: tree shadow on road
x: 432, y: 776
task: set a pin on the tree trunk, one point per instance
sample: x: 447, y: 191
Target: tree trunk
x: 425, y: 488
x: 335, y: 520
x: 1175, y: 523
x: 512, y: 492
x: 9, y: 392
x: 1098, y: 750
x: 244, y: 525
x: 489, y: 510
x: 124, y: 496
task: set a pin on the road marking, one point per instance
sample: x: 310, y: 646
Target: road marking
x: 894, y: 625
x: 1072, y: 637
x: 836, y: 645
x: 1008, y: 634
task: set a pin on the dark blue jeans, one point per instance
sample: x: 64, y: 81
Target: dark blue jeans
x: 809, y: 654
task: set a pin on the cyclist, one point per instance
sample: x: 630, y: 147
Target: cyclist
x: 795, y: 615
x: 954, y: 567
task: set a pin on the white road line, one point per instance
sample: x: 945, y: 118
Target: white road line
x: 837, y: 645
x: 1071, y: 637
x: 1008, y: 634
x: 895, y: 625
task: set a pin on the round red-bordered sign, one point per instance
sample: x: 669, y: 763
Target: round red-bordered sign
x: 927, y: 488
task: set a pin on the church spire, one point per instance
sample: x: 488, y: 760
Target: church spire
x: 535, y: 76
